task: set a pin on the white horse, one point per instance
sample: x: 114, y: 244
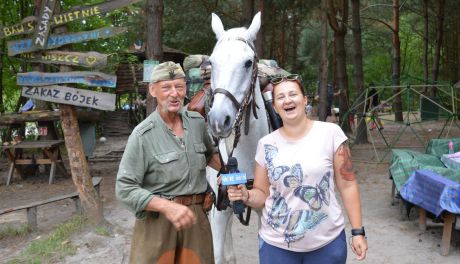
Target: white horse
x: 233, y: 63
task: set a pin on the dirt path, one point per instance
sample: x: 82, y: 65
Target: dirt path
x: 391, y: 240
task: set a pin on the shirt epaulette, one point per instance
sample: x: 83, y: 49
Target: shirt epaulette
x: 194, y: 114
x: 146, y: 127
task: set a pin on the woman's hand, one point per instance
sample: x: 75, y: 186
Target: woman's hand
x: 236, y: 193
x: 359, y: 246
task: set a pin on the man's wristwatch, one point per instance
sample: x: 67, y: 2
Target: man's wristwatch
x: 358, y: 232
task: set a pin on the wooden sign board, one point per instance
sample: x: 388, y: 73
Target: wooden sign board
x: 43, y: 26
x: 82, y: 77
x: 84, y: 59
x: 54, y: 41
x: 28, y: 24
x: 71, y: 96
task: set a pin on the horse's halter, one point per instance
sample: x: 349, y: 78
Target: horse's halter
x: 248, y: 99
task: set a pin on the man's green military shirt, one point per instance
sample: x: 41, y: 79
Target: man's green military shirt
x: 156, y: 162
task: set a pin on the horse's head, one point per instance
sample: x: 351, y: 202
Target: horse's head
x: 233, y: 63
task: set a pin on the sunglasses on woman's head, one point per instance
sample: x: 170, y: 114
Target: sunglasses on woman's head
x: 292, y: 77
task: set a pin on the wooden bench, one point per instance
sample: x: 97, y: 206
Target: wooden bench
x: 32, y: 207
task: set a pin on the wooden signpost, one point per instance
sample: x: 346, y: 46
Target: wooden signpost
x: 71, y: 96
x: 84, y: 59
x: 82, y: 77
x: 28, y: 24
x: 55, y: 41
x: 42, y: 30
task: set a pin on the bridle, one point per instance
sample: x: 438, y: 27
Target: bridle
x: 244, y: 109
x: 248, y: 103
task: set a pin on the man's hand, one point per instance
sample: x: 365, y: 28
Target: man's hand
x: 179, y: 215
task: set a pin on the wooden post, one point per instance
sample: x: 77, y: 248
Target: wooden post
x: 422, y: 219
x: 81, y: 177
x: 446, y: 233
x: 32, y: 217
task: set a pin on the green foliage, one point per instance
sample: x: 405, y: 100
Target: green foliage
x: 54, y: 247
x: 14, y: 231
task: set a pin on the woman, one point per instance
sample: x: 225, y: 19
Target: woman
x: 296, y: 169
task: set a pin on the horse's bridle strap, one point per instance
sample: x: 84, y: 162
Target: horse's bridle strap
x: 229, y: 95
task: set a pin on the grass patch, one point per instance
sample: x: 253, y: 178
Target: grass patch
x: 53, y: 247
x: 14, y: 231
x: 103, y: 231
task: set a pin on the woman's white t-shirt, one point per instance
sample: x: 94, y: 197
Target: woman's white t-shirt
x: 301, y: 212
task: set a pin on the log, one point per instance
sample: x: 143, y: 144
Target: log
x: 33, y: 116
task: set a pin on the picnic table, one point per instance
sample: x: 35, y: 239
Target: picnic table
x: 436, y: 194
x: 51, y: 155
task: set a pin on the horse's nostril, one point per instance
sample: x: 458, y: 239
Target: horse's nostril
x: 227, y: 121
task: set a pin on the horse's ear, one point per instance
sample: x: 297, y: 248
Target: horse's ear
x: 217, y: 26
x: 254, y: 27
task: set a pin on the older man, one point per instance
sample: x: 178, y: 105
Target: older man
x: 162, y: 177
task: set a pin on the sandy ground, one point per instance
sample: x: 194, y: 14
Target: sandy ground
x: 392, y: 237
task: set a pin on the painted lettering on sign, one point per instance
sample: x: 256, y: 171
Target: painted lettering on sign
x: 71, y: 96
x: 42, y: 30
x: 23, y: 28
x: 82, y: 77
x: 54, y: 41
x: 60, y: 19
x: 76, y: 15
x: 85, y: 59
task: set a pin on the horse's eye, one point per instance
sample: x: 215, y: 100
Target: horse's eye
x: 248, y: 64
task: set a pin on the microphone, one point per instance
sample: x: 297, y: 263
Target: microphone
x: 234, y: 177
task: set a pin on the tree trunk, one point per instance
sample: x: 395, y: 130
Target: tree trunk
x: 323, y: 65
x: 154, y: 48
x: 397, y: 104
x: 340, y: 30
x: 342, y: 79
x: 425, y: 41
x: 361, y: 135
x: 458, y: 49
x: 81, y: 177
x: 295, y: 41
x: 282, y: 43
x: 261, y: 34
x: 248, y: 12
x: 2, y: 104
x: 439, y: 37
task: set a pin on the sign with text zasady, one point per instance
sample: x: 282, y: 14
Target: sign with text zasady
x: 43, y: 26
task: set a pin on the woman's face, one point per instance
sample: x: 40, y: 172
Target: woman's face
x: 288, y: 100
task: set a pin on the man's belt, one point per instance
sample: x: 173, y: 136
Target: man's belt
x: 189, y: 199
